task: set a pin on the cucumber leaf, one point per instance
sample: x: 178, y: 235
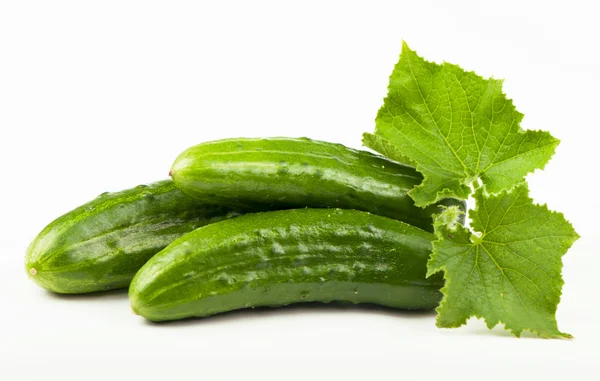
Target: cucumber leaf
x: 386, y: 148
x: 463, y: 134
x: 455, y: 127
x: 510, y: 270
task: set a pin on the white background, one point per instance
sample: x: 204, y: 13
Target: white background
x: 102, y: 95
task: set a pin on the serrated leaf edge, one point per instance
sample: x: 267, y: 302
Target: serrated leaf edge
x: 431, y: 270
x: 446, y: 192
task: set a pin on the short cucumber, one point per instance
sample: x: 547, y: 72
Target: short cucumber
x: 102, y: 244
x: 280, y: 173
x: 284, y: 257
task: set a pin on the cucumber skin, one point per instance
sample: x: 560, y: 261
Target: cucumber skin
x: 101, y: 244
x: 284, y: 257
x: 281, y: 173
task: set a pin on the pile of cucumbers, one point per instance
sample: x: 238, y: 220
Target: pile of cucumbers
x: 248, y: 223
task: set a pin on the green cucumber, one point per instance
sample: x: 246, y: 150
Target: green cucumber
x: 101, y: 245
x: 284, y: 257
x: 281, y: 173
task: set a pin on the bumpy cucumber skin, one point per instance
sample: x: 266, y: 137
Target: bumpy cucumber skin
x: 280, y: 173
x: 101, y: 245
x: 284, y: 257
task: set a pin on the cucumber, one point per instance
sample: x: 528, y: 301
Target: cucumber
x: 281, y: 173
x: 101, y: 245
x: 284, y: 257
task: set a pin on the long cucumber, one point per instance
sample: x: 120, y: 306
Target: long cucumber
x: 279, y: 173
x: 101, y: 245
x: 284, y: 257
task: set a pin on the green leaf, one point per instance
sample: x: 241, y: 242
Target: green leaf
x: 386, y: 148
x: 457, y: 127
x: 510, y: 271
